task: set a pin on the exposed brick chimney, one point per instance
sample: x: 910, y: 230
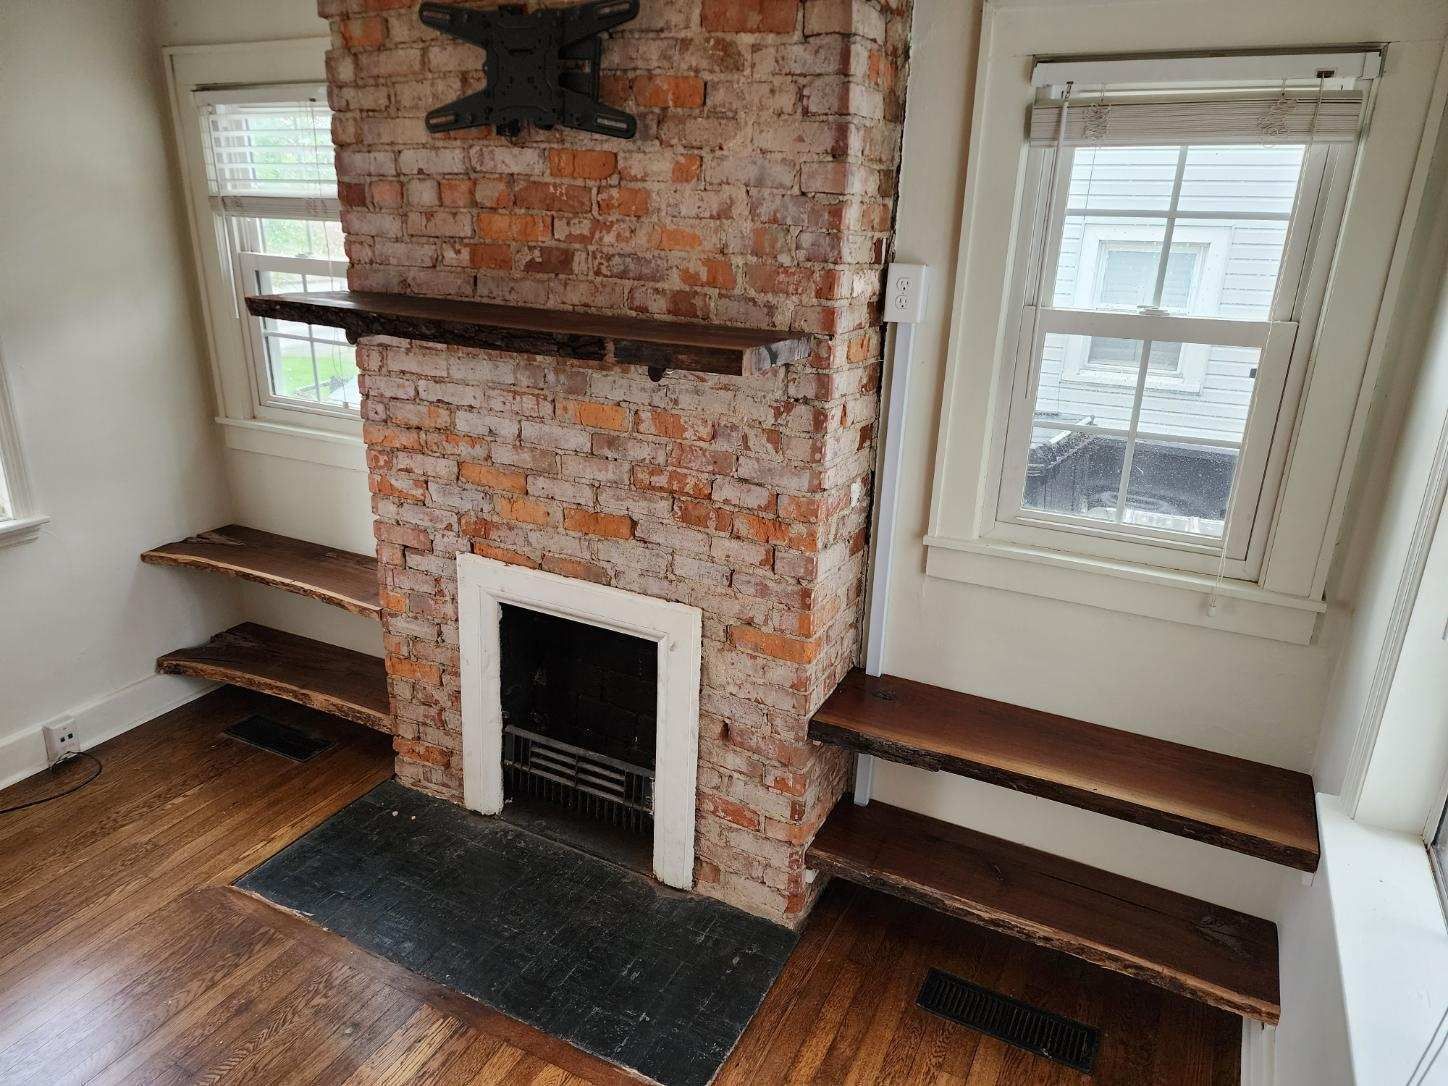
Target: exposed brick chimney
x: 757, y: 193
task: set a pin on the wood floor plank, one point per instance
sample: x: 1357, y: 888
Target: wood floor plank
x: 1255, y: 809
x: 342, y: 578
x: 1216, y: 955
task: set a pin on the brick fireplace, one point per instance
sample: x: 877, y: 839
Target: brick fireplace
x: 757, y: 193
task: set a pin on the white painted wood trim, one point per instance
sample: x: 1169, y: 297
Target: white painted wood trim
x: 106, y: 717
x: 1430, y: 510
x: 1130, y: 589
x: 1259, y: 1053
x: 14, y: 475
x: 484, y: 585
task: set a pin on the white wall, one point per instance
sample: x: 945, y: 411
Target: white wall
x: 324, y: 502
x: 1252, y: 697
x: 98, y: 332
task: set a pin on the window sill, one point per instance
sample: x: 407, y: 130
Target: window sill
x: 326, y: 447
x: 21, y: 529
x: 1118, y: 586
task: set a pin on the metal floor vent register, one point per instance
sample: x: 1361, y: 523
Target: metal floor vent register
x: 602, y: 788
x: 270, y: 735
x: 1010, y: 1020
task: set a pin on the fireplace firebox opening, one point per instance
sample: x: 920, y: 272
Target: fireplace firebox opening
x: 580, y: 720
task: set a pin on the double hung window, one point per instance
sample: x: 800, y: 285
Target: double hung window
x: 1162, y: 290
x: 273, y: 192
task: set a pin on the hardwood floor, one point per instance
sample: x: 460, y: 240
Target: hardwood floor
x: 127, y: 958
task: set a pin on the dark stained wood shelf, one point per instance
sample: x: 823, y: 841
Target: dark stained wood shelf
x: 341, y: 578
x: 1220, y: 957
x: 340, y: 681
x: 636, y: 341
x: 1255, y: 809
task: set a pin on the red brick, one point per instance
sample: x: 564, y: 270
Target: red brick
x: 751, y: 16
x: 774, y: 645
x: 455, y: 192
x: 606, y: 525
x: 575, y: 567
x: 525, y: 511
x: 677, y: 238
x: 494, y: 478
x: 678, y: 91
x: 687, y: 168
x: 551, y: 196
x: 672, y: 425
x: 600, y: 416
x: 415, y: 670
x: 503, y: 554
x: 420, y: 752
x: 497, y: 226
x: 363, y: 33
x: 648, y: 477
x: 629, y: 202
x: 730, y: 810
x: 585, y: 165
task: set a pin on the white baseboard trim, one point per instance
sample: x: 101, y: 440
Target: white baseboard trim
x: 1259, y: 1053
x: 100, y: 719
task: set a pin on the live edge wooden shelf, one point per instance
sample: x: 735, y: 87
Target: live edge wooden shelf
x: 636, y: 341
x: 1254, y: 809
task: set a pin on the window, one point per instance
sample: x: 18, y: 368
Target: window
x: 272, y: 192
x: 1163, y: 289
x: 18, y: 521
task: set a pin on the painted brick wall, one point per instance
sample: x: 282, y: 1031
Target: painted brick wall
x: 757, y: 193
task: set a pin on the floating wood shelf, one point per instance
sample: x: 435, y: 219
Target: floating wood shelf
x: 1224, y: 958
x: 341, y: 578
x: 1248, y: 807
x: 637, y: 341
x: 345, y: 683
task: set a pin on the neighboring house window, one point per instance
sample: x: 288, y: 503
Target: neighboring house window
x: 272, y: 190
x: 1163, y: 289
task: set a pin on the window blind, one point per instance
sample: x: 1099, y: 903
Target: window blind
x: 267, y: 142
x: 1263, y: 117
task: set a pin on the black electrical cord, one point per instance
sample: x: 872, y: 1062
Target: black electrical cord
x: 58, y: 795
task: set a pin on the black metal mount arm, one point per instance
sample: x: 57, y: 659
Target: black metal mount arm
x: 541, y: 67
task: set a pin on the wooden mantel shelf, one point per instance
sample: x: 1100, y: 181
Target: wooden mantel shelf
x: 636, y: 341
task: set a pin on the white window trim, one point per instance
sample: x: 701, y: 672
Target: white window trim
x: 24, y: 523
x: 1331, y: 389
x: 249, y: 421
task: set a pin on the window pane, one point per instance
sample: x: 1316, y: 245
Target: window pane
x: 1065, y: 392
x: 1172, y: 487
x: 1179, y: 488
x: 1209, y: 400
x: 1245, y: 260
x: 1241, y: 180
x: 1122, y: 178
x: 337, y: 366
x: 1073, y: 473
x: 1106, y: 262
x: 316, y: 238
x: 1164, y: 358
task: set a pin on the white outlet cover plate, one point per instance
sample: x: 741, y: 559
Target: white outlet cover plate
x: 905, y: 293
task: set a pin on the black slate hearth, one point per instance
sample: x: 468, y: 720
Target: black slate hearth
x: 605, y: 958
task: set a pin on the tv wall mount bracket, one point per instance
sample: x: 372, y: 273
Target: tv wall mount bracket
x: 541, y: 66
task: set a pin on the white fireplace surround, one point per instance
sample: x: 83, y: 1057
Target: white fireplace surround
x: 483, y: 586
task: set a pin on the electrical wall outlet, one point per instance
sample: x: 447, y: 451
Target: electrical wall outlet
x: 60, y: 739
x: 905, y: 293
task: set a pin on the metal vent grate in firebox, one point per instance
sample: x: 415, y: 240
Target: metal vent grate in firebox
x: 594, y: 785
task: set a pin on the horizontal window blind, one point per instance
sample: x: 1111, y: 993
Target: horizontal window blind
x: 268, y: 142
x: 1256, y: 118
